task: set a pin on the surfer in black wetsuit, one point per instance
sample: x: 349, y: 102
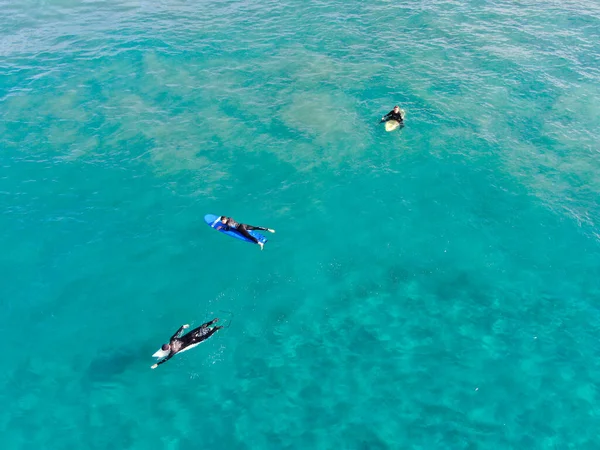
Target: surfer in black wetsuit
x: 394, y: 114
x: 177, y: 342
x: 242, y: 228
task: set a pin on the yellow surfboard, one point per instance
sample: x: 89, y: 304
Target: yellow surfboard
x: 391, y: 125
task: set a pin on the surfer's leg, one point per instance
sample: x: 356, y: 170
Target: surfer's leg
x: 204, y: 325
x: 206, y: 333
x: 251, y: 227
x: 197, y: 335
x: 196, y: 332
x: 202, y: 329
x: 244, y: 232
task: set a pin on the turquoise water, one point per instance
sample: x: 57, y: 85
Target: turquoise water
x: 432, y: 288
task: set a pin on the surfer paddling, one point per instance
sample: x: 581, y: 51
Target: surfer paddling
x: 178, y: 343
x: 229, y: 224
x: 395, y: 114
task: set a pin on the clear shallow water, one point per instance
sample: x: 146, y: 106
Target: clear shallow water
x: 432, y: 288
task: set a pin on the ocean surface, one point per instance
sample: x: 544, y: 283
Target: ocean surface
x: 437, y: 287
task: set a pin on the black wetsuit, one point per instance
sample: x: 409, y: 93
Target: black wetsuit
x: 397, y: 116
x: 241, y: 228
x: 197, y: 335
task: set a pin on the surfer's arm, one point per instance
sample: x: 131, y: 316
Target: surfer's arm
x: 169, y: 356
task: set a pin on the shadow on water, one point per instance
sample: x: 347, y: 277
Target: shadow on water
x: 112, y: 363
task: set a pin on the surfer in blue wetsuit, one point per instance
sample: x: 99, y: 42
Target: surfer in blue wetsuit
x: 394, y: 114
x: 178, y: 343
x: 229, y: 224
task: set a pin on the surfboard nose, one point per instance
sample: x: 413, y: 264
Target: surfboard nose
x: 210, y: 218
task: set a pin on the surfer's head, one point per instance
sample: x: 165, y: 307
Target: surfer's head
x: 223, y: 219
x: 396, y: 109
x: 166, y: 347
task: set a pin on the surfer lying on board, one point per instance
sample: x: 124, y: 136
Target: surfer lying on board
x: 394, y: 114
x: 178, y: 343
x: 242, y: 228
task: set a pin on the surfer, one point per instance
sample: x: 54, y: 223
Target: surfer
x: 242, y: 228
x: 394, y: 114
x: 178, y: 343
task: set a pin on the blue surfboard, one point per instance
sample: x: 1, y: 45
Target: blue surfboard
x: 214, y: 222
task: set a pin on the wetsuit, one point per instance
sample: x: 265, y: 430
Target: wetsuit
x: 241, y: 228
x: 197, y: 335
x: 397, y: 116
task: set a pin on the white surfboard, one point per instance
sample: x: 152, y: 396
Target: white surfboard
x: 160, y: 353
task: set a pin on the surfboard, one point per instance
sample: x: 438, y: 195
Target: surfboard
x: 391, y: 125
x: 213, y: 222
x: 160, y: 353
